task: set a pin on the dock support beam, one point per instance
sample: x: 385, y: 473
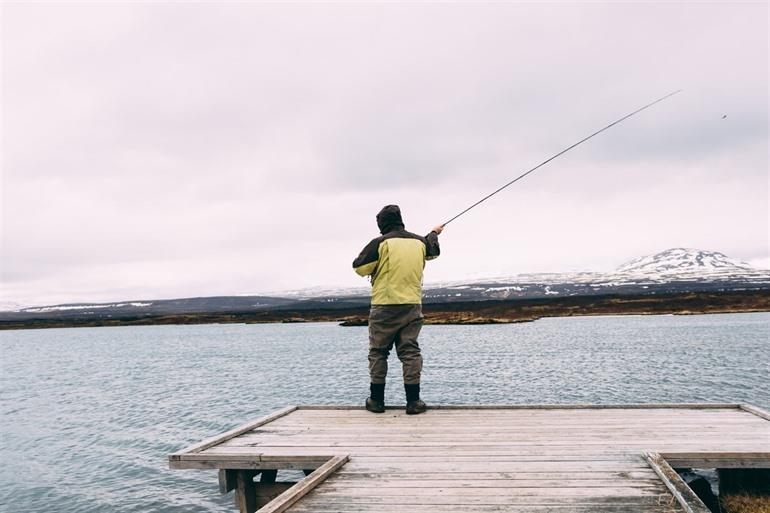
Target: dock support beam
x: 246, y: 491
x: 227, y: 480
x: 251, y: 495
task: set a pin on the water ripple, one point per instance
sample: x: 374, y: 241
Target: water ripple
x: 89, y: 414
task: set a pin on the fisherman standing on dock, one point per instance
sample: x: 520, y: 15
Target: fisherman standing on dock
x: 395, y: 262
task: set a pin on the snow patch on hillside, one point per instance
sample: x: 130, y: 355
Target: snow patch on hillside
x: 59, y: 308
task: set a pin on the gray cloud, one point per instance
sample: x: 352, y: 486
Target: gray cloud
x: 163, y: 149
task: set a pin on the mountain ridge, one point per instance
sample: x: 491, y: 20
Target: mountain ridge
x: 674, y: 270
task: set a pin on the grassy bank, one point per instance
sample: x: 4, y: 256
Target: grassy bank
x: 745, y: 503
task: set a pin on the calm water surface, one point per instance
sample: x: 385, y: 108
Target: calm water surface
x: 90, y: 414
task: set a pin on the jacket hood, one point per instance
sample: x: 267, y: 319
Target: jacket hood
x: 389, y: 219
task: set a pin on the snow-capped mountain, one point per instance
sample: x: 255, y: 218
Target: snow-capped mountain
x: 677, y: 263
x: 672, y: 270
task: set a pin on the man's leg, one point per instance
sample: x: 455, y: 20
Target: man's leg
x: 382, y: 332
x: 408, y: 350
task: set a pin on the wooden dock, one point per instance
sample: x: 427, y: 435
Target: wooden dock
x: 559, y: 458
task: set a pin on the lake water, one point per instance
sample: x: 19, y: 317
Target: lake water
x: 90, y: 414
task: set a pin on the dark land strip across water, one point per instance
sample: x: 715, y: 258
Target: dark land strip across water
x: 458, y: 312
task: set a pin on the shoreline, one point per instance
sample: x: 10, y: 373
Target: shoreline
x: 455, y: 313
x: 490, y: 321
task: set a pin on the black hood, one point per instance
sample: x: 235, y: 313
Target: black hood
x: 389, y: 219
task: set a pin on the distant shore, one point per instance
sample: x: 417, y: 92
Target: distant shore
x: 463, y: 313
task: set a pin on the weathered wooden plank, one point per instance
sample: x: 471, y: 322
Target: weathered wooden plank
x: 245, y: 464
x: 597, y: 426
x: 232, y: 455
x: 406, y: 502
x: 419, y: 452
x: 586, y: 406
x: 251, y: 456
x: 415, y: 465
x: 528, y: 409
x: 490, y: 435
x: 468, y: 493
x: 518, y: 433
x: 750, y: 442
x: 679, y: 489
x: 455, y: 468
x: 576, y: 416
x: 525, y: 412
x: 759, y: 412
x: 515, y: 430
x: 642, y: 473
x: 214, y: 440
x: 340, y: 507
x: 512, y: 428
x: 465, y: 450
x: 386, y: 482
x: 439, y: 452
x: 507, y: 425
x: 295, y: 458
x: 300, y: 423
x: 481, y: 437
x: 519, y: 449
x: 249, y: 460
x: 523, y: 415
x: 493, y: 434
x: 295, y: 493
x: 428, y: 449
x: 533, y: 415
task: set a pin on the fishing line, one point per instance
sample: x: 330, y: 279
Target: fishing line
x: 562, y: 152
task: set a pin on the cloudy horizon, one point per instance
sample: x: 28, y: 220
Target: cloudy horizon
x: 161, y: 150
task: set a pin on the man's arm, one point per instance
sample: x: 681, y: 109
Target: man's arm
x: 367, y: 261
x: 432, y: 249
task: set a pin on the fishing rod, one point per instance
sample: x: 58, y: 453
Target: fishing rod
x: 562, y: 152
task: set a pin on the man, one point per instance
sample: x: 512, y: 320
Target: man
x: 395, y: 262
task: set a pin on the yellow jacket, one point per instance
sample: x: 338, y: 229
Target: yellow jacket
x: 395, y: 261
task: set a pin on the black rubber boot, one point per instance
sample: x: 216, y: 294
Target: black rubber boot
x: 375, y: 403
x: 414, y: 405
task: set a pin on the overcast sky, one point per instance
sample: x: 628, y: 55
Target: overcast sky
x: 157, y: 150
